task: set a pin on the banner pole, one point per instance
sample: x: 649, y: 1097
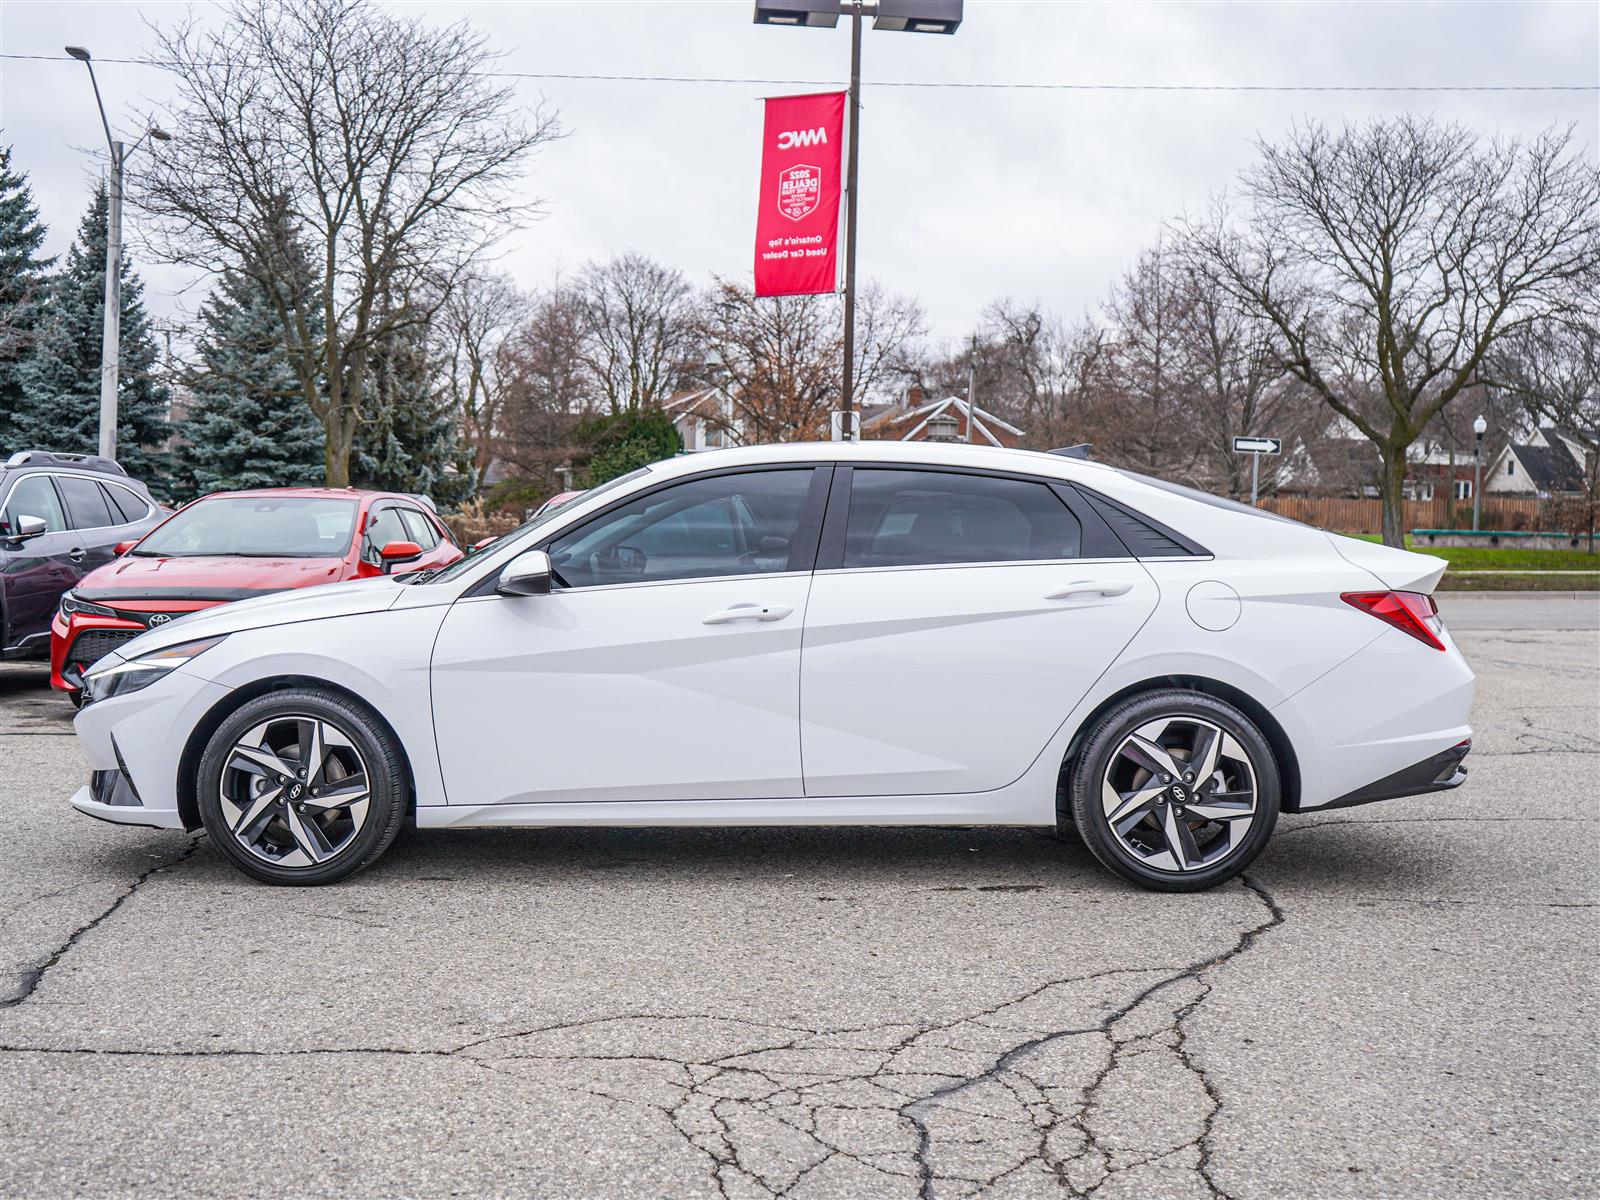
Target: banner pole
x: 848, y: 420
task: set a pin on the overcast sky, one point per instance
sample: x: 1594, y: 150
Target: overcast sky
x: 966, y: 195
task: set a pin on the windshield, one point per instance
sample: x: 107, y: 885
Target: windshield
x: 256, y: 527
x: 473, y: 557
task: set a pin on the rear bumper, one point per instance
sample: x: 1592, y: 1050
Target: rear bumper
x: 1436, y: 773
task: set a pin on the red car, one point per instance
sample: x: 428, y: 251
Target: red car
x: 233, y: 545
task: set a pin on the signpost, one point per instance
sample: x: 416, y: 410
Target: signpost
x: 1255, y: 447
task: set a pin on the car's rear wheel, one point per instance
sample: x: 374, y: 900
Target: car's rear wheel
x: 1175, y: 790
x: 302, y: 786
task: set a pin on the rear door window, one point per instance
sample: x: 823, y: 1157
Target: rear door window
x: 924, y: 518
x: 125, y: 504
x: 419, y: 529
x: 86, y: 503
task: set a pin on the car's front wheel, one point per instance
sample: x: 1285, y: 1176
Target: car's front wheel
x: 1175, y: 790
x: 302, y: 786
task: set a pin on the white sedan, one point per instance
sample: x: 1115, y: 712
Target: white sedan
x: 836, y: 634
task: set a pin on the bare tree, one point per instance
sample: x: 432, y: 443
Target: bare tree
x: 471, y: 332
x: 1390, y: 257
x: 1552, y: 370
x: 639, y: 327
x: 779, y: 360
x: 378, y: 143
x: 545, y: 389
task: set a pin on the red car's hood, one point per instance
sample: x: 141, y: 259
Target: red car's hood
x: 204, y: 578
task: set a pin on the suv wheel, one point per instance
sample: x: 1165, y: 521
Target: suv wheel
x: 302, y: 786
x: 1175, y: 790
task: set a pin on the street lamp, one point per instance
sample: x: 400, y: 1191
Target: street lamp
x: 111, y: 330
x: 909, y: 16
x: 1479, y: 428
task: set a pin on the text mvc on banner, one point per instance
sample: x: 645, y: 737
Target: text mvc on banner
x: 797, y: 226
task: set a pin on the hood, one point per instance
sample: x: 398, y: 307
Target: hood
x: 282, y: 608
x: 1399, y: 569
x: 224, y: 577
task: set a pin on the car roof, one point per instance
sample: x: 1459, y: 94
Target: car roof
x: 311, y: 493
x: 953, y: 454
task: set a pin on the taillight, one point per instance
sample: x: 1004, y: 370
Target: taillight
x: 1409, y: 612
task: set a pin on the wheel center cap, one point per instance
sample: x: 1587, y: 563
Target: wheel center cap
x: 294, y: 792
x: 1180, y: 794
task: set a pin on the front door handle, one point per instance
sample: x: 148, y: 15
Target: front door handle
x: 77, y: 554
x: 748, y: 612
x: 1088, y: 587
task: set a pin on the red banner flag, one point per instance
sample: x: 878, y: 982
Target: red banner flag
x: 797, y: 226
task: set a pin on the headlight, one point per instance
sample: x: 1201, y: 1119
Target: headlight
x: 120, y: 678
x: 71, y: 604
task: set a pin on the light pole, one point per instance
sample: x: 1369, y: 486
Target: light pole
x: 909, y: 16
x: 1479, y: 428
x: 111, y: 330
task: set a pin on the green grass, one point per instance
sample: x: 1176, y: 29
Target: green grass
x: 1509, y: 565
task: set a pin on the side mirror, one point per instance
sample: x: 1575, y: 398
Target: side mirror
x: 526, y: 575
x: 28, y: 527
x: 482, y: 542
x: 122, y: 548
x: 396, y: 553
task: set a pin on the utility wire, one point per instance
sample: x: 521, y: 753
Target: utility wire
x: 955, y: 85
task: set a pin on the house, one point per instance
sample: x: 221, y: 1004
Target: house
x: 704, y: 419
x: 1547, y: 464
x: 1342, y: 461
x: 947, y: 420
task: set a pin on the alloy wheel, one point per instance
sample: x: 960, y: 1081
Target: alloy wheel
x: 295, y: 790
x: 1179, y: 794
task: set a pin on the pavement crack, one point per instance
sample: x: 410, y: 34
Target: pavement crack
x: 32, y: 977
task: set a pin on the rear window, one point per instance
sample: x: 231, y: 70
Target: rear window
x: 1189, y: 493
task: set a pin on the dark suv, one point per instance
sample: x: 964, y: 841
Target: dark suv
x: 61, y: 516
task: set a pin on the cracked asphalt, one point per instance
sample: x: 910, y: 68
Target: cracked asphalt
x: 1399, y: 1000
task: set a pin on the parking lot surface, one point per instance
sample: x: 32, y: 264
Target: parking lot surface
x: 1398, y: 1000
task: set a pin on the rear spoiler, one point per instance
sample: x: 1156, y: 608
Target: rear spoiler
x: 1398, y: 569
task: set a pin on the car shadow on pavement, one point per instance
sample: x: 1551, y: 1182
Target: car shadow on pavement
x: 31, y: 704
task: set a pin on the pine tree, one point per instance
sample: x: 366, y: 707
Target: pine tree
x: 60, y: 375
x: 23, y: 284
x: 248, y: 423
x: 408, y: 441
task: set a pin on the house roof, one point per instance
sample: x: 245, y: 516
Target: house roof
x: 1551, y: 467
x: 983, y: 421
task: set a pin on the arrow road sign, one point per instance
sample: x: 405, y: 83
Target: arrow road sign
x: 1257, y: 445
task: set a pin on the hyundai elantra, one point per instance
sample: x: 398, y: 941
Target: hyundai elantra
x: 834, y: 634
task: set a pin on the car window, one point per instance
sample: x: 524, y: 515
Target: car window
x: 739, y: 524
x: 86, y: 503
x: 124, y: 503
x: 383, y: 527
x: 34, y: 496
x: 419, y: 529
x: 256, y: 526
x: 916, y: 518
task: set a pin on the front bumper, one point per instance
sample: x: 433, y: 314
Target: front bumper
x: 124, y: 814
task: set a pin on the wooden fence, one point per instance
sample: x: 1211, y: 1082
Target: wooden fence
x: 1366, y: 516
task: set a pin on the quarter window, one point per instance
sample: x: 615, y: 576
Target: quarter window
x: 124, y: 503
x: 917, y: 518
x: 742, y: 524
x: 34, y: 496
x: 86, y: 503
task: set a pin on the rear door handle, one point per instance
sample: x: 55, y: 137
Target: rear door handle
x: 78, y: 554
x: 1088, y: 587
x: 748, y: 612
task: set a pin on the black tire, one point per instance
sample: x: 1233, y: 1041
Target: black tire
x: 388, y: 794
x: 1100, y: 754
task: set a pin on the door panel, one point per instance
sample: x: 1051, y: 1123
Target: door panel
x: 953, y: 678
x: 623, y: 693
x: 34, y: 573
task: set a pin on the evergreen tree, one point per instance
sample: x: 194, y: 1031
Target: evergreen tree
x: 60, y: 375
x: 248, y: 424
x: 23, y: 283
x: 408, y: 440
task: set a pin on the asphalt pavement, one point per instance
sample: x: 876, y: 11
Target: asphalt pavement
x: 1399, y: 1000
